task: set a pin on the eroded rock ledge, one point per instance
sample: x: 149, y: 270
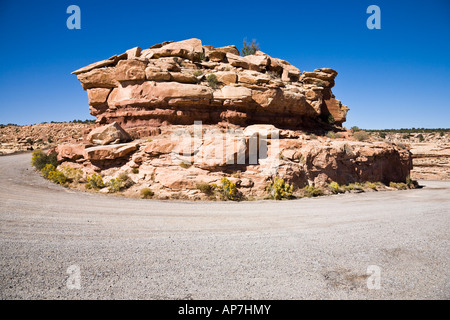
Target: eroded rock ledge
x: 168, y: 84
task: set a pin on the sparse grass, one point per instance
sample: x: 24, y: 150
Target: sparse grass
x: 279, y: 189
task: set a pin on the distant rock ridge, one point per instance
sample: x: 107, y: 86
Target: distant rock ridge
x: 171, y: 83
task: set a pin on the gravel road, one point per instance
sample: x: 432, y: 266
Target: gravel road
x: 317, y: 248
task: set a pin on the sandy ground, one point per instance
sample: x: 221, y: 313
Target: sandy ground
x: 124, y: 248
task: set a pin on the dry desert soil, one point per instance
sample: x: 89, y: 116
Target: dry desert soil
x: 125, y: 248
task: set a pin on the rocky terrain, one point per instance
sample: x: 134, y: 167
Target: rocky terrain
x: 182, y: 120
x: 40, y: 136
x: 431, y: 153
x: 176, y: 162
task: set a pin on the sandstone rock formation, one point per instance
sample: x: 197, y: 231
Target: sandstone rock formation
x: 182, y: 157
x: 168, y: 84
x: 256, y: 115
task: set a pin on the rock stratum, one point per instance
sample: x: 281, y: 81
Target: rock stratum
x: 175, y: 83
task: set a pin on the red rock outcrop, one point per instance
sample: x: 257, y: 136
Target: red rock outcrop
x: 182, y: 82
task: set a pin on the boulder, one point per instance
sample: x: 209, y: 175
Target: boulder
x: 70, y: 151
x: 110, y: 152
x: 109, y: 134
x: 98, y: 78
x: 98, y: 96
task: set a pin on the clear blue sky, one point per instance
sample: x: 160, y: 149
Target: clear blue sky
x: 395, y: 77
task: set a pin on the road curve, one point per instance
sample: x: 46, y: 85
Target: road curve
x: 317, y: 248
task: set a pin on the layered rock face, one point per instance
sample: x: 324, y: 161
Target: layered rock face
x: 180, y: 158
x: 186, y: 81
x: 199, y: 113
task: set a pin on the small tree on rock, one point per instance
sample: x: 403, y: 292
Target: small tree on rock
x: 249, y: 49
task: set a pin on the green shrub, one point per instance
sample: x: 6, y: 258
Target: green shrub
x: 205, y: 188
x: 73, y: 174
x: 353, y: 186
x: 47, y: 169
x: 185, y: 165
x: 248, y: 49
x: 382, y: 135
x: 412, y: 184
x: 126, y: 180
x: 311, y: 191
x: 146, y: 193
x: 226, y: 190
x: 115, y: 185
x: 198, y: 73
x: 421, y: 138
x: 40, y: 159
x: 335, y: 188
x: 330, y: 119
x: 355, y: 129
x: 361, y: 135
x: 398, y: 185
x: 371, y: 185
x: 331, y: 135
x: 95, y: 181
x: 212, y: 81
x: 57, y: 177
x: 279, y: 189
x: 135, y: 170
